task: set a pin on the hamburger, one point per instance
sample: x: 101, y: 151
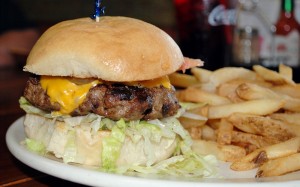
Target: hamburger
x: 99, y: 93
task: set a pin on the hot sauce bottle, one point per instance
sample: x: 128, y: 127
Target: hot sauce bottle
x: 287, y: 37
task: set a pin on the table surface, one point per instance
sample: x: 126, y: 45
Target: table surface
x: 12, y: 171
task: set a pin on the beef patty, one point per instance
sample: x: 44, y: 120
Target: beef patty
x: 114, y: 101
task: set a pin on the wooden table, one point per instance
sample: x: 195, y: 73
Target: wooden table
x: 12, y: 171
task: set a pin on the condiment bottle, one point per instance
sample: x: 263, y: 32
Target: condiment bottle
x: 246, y: 47
x: 287, y: 37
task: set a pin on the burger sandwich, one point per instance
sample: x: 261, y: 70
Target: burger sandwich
x: 99, y: 94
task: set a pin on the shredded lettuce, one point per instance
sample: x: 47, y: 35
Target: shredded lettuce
x: 112, y: 146
x: 28, y: 108
x: 187, y: 165
x: 184, y: 161
x: 35, y: 146
x: 70, y: 148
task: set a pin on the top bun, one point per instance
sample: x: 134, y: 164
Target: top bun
x: 113, y: 49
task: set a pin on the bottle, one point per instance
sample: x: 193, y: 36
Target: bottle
x: 184, y: 17
x: 198, y: 37
x: 287, y: 37
x: 246, y: 47
x: 206, y: 39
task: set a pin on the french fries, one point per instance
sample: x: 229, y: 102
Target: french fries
x: 286, y: 72
x: 258, y: 107
x: 182, y: 80
x: 272, y: 76
x: 287, y: 117
x: 249, y: 91
x: 252, y: 117
x: 291, y: 90
x: 224, y: 132
x: 279, y: 166
x: 229, y: 90
x: 228, y: 153
x: 245, y: 139
x: 260, y: 125
x: 230, y: 73
x: 195, y: 132
x: 202, y: 75
x: 192, y: 94
x: 208, y: 133
x: 260, y: 156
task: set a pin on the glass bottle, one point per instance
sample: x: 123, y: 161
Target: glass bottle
x: 287, y: 37
x: 246, y: 47
x: 197, y: 37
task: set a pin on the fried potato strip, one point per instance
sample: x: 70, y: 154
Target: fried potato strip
x: 252, y: 117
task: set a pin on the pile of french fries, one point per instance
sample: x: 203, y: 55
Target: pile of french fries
x: 250, y: 118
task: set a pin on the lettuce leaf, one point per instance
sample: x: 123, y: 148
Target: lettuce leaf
x: 35, y: 146
x: 28, y: 108
x: 70, y: 148
x: 186, y: 165
x: 112, y: 146
x: 184, y: 162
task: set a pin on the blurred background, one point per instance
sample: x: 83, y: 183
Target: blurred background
x: 220, y: 32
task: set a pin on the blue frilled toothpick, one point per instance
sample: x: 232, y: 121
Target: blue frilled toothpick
x: 99, y: 11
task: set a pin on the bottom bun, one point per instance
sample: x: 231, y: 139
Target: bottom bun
x: 57, y: 137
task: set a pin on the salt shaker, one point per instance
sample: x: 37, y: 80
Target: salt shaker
x: 246, y: 47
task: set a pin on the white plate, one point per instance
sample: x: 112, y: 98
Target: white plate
x: 88, y: 176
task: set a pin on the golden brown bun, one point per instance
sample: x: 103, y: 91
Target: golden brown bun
x: 113, y: 49
x: 55, y: 135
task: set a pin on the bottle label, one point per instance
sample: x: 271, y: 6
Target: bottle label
x: 287, y: 49
x: 222, y: 16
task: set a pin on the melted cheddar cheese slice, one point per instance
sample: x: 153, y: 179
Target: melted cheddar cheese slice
x: 164, y: 81
x: 69, y: 93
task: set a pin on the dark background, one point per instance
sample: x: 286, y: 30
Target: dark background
x: 158, y: 12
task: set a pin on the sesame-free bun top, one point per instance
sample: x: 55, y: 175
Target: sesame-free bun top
x: 113, y: 49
